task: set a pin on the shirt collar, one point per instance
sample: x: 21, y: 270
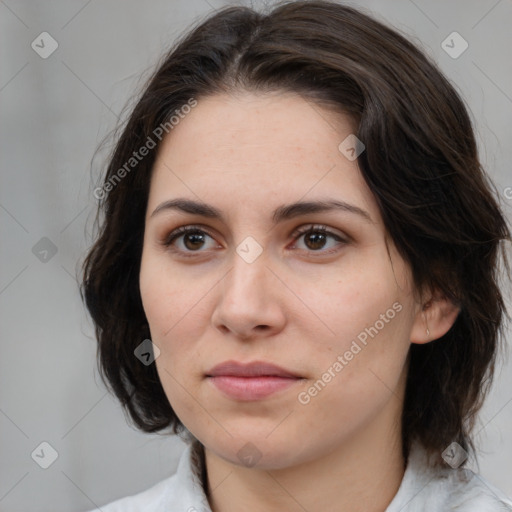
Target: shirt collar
x: 187, y: 494
x: 419, y: 490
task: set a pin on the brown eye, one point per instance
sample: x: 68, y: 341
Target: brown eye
x: 193, y: 240
x: 187, y: 239
x: 315, y: 240
x: 317, y: 237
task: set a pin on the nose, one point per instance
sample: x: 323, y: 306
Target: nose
x: 248, y: 304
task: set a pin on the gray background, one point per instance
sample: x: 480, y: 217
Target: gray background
x: 55, y: 112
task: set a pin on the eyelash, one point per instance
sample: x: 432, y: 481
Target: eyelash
x: 316, y: 228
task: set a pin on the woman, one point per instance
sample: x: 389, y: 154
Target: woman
x: 298, y: 268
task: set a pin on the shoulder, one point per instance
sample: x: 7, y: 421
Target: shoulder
x: 426, y: 488
x: 182, y: 492
x: 149, y: 500
x: 469, y: 492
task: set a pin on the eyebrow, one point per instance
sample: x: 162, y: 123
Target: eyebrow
x: 283, y: 212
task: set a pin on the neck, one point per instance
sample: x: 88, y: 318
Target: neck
x: 361, y: 474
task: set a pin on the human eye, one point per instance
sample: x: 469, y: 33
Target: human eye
x: 187, y: 240
x: 190, y: 241
x: 316, y: 238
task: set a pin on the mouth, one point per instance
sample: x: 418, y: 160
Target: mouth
x: 252, y: 381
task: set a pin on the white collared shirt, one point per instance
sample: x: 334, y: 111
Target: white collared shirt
x: 423, y: 489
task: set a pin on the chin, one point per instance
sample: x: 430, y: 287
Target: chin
x: 257, y: 451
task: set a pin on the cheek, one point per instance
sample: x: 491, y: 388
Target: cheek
x: 178, y: 311
x: 170, y: 299
x: 365, y: 319
x: 356, y: 296
x: 355, y: 381
x: 173, y: 312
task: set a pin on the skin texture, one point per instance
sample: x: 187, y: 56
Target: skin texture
x: 299, y: 304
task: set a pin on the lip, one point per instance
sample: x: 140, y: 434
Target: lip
x: 251, y: 381
x: 252, y: 369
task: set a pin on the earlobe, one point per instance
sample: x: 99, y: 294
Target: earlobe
x: 434, y: 320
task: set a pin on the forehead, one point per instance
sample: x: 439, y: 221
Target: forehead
x: 249, y: 147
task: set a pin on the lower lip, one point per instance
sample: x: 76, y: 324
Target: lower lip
x: 251, y: 388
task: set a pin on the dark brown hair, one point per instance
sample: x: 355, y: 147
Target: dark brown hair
x: 420, y: 163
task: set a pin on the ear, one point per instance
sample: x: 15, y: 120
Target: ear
x: 433, y: 319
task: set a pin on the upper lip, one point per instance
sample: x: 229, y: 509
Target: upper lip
x: 252, y: 369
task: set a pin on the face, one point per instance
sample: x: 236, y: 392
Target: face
x: 315, y: 291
